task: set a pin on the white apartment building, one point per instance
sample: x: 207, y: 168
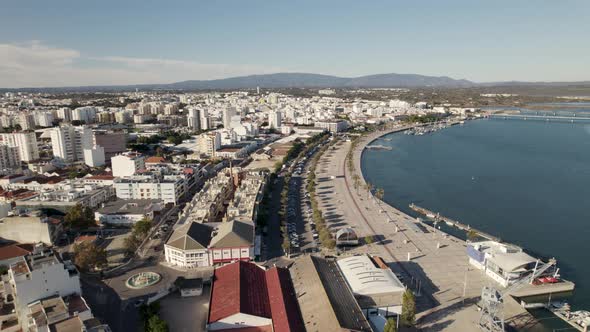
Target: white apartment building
x: 194, y: 118
x: 227, y: 115
x: 43, y: 119
x: 37, y: 276
x: 334, y: 126
x: 208, y: 143
x: 169, y: 188
x: 26, y: 121
x: 205, y: 121
x: 85, y: 114
x: 94, y: 157
x: 9, y: 159
x: 274, y: 119
x: 65, y: 114
x: 127, y: 164
x: 127, y: 212
x: 69, y: 142
x: 26, y: 142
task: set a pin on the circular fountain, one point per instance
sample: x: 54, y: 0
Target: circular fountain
x: 142, y: 280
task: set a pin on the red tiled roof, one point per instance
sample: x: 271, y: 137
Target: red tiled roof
x: 45, y: 179
x: 101, y: 177
x: 155, y: 160
x: 84, y: 238
x: 12, y: 251
x: 283, y: 303
x: 228, y: 150
x: 266, y: 328
x: 244, y: 287
x: 239, y: 288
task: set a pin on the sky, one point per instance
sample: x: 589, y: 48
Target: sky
x: 72, y: 43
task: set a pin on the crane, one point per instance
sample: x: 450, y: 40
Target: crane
x: 491, y: 318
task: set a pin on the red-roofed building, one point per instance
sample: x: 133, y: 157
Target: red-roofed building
x: 283, y: 301
x: 13, y: 252
x: 155, y: 161
x: 246, y: 298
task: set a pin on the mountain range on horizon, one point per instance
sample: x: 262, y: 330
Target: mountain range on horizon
x: 303, y: 80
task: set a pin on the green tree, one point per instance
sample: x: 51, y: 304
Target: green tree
x: 174, y: 139
x: 472, y: 235
x: 408, y: 308
x: 131, y: 243
x: 79, y: 216
x: 142, y: 228
x: 88, y: 256
x: 390, y: 325
x: 156, y: 324
x: 380, y: 193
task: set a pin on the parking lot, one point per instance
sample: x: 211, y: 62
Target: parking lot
x: 303, y: 236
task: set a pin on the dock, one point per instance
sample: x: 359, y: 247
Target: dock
x: 438, y: 217
x: 572, y: 319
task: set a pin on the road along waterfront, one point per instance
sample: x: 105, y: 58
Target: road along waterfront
x: 438, y: 270
x: 522, y: 197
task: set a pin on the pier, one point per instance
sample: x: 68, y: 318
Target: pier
x: 437, y: 217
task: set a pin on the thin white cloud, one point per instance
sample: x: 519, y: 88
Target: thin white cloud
x: 34, y: 64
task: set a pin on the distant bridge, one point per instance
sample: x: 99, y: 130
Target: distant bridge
x: 543, y: 117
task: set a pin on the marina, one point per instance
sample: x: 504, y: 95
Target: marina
x: 423, y: 130
x: 437, y: 217
x: 379, y: 147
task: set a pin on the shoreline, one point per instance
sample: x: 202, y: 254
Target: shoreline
x: 513, y: 309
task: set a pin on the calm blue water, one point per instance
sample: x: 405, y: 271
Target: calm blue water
x: 527, y: 182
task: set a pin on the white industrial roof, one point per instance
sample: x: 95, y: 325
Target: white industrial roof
x: 365, y: 278
x: 508, y: 257
x: 512, y: 262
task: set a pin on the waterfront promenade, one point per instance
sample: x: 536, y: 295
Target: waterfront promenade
x: 438, y: 268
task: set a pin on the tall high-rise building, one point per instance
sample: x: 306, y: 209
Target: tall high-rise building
x: 274, y: 119
x: 26, y: 121
x: 69, y: 142
x: 43, y: 119
x: 208, y: 143
x: 113, y: 142
x: 25, y: 142
x: 194, y: 118
x: 205, y: 123
x: 65, y: 114
x: 86, y: 114
x: 227, y: 114
x: 9, y: 159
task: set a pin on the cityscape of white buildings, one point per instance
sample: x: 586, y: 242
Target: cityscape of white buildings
x: 152, y: 154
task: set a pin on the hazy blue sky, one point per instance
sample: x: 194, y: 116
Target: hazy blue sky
x: 57, y: 43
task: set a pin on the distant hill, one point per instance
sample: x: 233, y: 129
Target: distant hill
x: 278, y: 80
x: 304, y: 80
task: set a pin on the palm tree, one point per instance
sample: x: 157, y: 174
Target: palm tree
x: 380, y: 193
x: 356, y: 181
x: 369, y: 189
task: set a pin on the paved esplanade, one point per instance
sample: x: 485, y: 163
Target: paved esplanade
x: 439, y: 262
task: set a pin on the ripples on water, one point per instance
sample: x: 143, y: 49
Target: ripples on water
x: 527, y: 182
